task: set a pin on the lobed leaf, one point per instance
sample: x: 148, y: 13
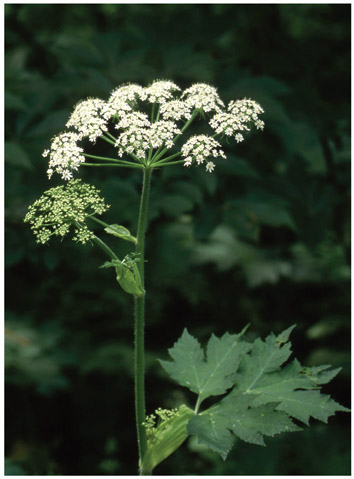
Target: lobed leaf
x: 209, y: 375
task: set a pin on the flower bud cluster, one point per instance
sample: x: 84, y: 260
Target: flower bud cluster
x: 60, y: 207
x: 199, y: 148
x: 158, y: 420
x: 64, y: 155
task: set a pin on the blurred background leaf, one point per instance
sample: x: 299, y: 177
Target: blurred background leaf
x: 265, y: 240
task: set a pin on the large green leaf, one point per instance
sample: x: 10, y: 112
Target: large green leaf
x: 266, y: 394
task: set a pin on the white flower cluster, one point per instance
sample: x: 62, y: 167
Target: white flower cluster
x: 123, y: 99
x: 247, y: 111
x: 204, y: 97
x: 134, y: 119
x: 139, y: 134
x: 87, y: 119
x: 64, y: 155
x: 162, y: 133
x: 199, y: 148
x: 176, y: 110
x: 161, y: 91
x: 139, y: 139
x: 228, y: 124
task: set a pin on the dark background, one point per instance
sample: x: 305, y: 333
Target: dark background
x: 264, y: 240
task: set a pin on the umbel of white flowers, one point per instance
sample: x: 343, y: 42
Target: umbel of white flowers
x: 149, y: 121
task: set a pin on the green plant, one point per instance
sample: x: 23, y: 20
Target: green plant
x: 261, y: 398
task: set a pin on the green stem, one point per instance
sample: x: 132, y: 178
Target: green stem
x: 164, y: 160
x: 129, y: 165
x: 111, y: 136
x: 108, y: 140
x: 104, y: 158
x: 104, y: 247
x: 98, y: 221
x: 100, y: 243
x: 197, y: 406
x: 139, y: 367
x: 158, y: 155
x: 157, y: 165
x: 153, y: 112
x: 158, y: 114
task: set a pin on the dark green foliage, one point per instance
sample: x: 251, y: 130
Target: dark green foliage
x: 265, y: 239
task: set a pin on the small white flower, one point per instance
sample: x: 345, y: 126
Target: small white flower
x: 210, y: 166
x: 87, y: 119
x: 67, y: 175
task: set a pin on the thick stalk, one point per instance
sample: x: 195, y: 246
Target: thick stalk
x: 139, y: 366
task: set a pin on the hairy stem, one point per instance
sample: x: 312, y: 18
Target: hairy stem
x: 139, y: 366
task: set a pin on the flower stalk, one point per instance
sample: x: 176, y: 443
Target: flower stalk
x: 139, y: 321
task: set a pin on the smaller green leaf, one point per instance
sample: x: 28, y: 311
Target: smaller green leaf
x: 120, y: 232
x: 128, y: 275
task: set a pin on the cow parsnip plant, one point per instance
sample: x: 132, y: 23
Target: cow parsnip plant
x: 262, y: 393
